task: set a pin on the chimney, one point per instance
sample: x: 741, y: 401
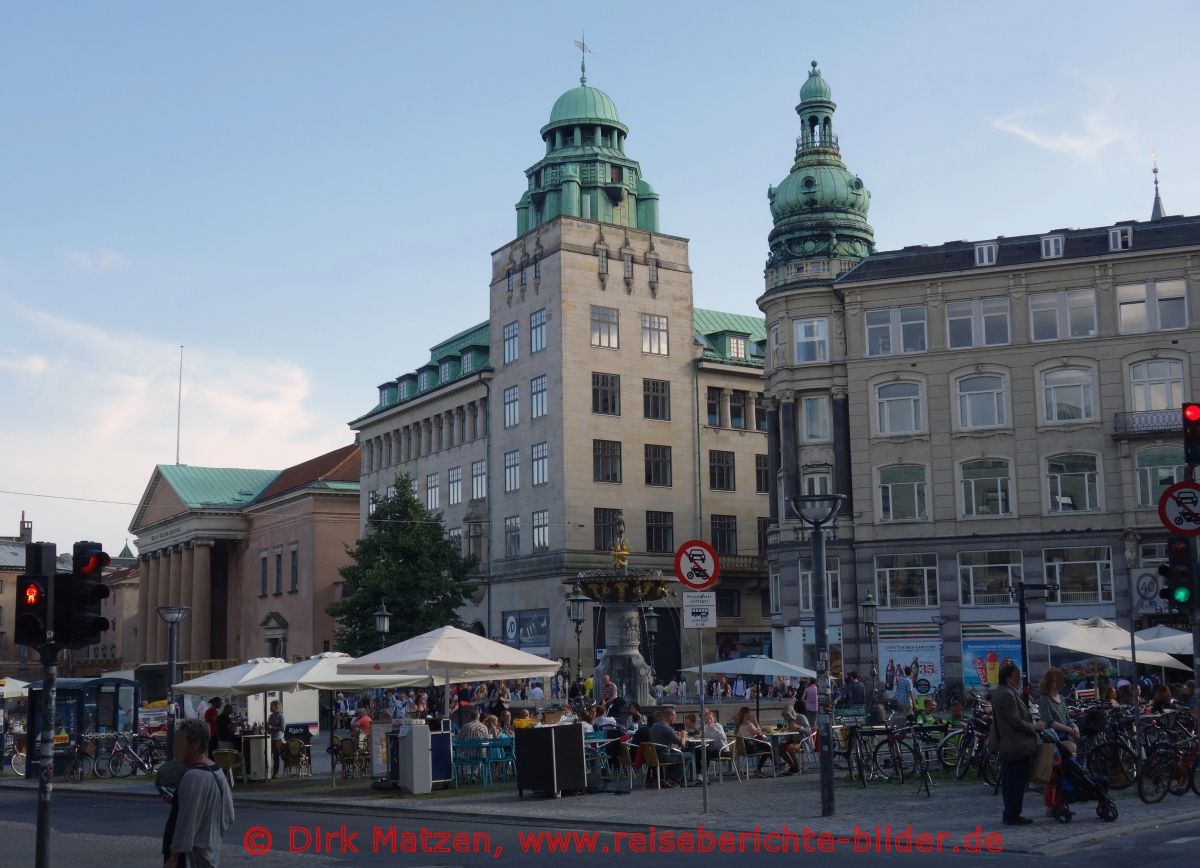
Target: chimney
x: 26, y: 529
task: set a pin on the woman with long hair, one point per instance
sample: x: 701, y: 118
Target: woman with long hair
x: 745, y: 725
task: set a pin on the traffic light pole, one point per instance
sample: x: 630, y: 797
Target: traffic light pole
x: 46, y: 753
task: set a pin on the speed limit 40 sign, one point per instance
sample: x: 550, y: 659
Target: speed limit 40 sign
x: 696, y: 565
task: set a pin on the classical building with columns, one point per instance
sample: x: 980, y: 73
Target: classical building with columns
x: 594, y: 387
x: 254, y: 553
x: 996, y: 410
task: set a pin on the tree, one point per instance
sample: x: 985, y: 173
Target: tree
x: 407, y: 560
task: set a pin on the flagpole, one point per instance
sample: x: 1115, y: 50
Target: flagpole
x: 179, y: 405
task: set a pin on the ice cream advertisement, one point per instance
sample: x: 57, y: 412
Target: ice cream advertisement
x: 982, y: 659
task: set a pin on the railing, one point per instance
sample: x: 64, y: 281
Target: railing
x: 828, y: 143
x: 794, y: 531
x: 742, y: 563
x: 1147, y: 422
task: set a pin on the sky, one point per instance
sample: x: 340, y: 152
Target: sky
x: 306, y: 195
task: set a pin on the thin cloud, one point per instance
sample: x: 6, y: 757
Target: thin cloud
x: 100, y: 261
x: 24, y: 364
x: 1101, y: 128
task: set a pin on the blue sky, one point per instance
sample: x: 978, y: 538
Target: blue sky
x: 295, y: 190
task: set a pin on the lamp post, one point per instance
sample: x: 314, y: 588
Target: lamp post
x: 383, y: 623
x: 869, y: 618
x: 651, y: 617
x: 577, y: 613
x: 173, y: 616
x: 941, y: 621
x: 816, y: 511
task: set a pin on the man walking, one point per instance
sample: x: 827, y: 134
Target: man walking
x: 202, y: 807
x: 1015, y: 735
x: 904, y: 694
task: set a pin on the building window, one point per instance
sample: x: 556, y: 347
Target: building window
x: 295, y: 569
x: 512, y: 471
x: 605, y: 327
x: 475, y: 540
x: 627, y: 261
x: 658, y: 464
x: 432, y: 491
x: 262, y: 562
x: 1052, y: 247
x: 468, y: 365
x: 764, y: 525
x: 606, y: 461
x: 653, y: 266
x: 986, y: 488
x: 478, y: 480
x: 660, y: 532
x: 981, y: 401
x: 602, y: 257
x: 1068, y: 395
x: 724, y: 534
x: 906, y: 581
x: 537, y: 266
x: 541, y: 531
x: 896, y: 330
x: 833, y: 600
x: 537, y: 397
x: 812, y: 340
x: 425, y: 380
x: 762, y: 474
x: 1158, y: 467
x: 898, y: 407
x: 278, y: 573
x: 523, y: 270
x: 1150, y: 307
x: 775, y: 593
x: 454, y: 534
x: 604, y: 522
x: 817, y: 481
x: 1073, y: 481
x: 902, y: 493
x: 537, y: 331
x: 984, y: 578
x: 512, y: 406
x: 654, y: 334
x: 1120, y: 239
x: 606, y: 394
x: 985, y: 254
x: 720, y: 470
x: 539, y: 454
x: 454, y: 483
x: 511, y: 343
x: 737, y: 410
x: 444, y: 372
x: 1083, y: 575
x: 815, y: 419
x: 760, y: 412
x: 729, y: 604
x: 714, y: 407
x: 1067, y: 313
x: 512, y: 536
x: 656, y: 399
x: 737, y: 347
x: 981, y: 322
x: 1156, y: 385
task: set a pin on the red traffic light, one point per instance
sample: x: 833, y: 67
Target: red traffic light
x: 97, y: 561
x: 33, y: 594
x: 1191, y: 412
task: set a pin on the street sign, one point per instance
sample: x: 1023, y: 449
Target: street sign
x: 1179, y: 508
x: 699, y: 608
x: 696, y: 565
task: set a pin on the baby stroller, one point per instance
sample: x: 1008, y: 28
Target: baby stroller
x: 1071, y: 782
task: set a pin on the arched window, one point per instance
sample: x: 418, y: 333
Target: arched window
x: 986, y: 487
x: 981, y: 401
x: 1156, y: 384
x: 1157, y: 467
x: 1074, y: 483
x: 898, y: 408
x: 902, y: 493
x: 1068, y: 394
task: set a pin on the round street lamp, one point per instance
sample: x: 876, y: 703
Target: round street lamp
x: 869, y: 618
x: 577, y: 602
x: 816, y: 509
x: 173, y: 616
x: 383, y: 621
x: 651, y: 617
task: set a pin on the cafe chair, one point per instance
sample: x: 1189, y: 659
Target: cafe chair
x: 230, y: 761
x: 471, y: 760
x: 650, y: 753
x: 295, y: 759
x: 351, y: 759
x: 622, y: 763
x: 716, y: 756
x: 502, y: 758
x: 741, y: 751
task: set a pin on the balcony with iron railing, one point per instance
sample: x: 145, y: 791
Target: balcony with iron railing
x: 828, y: 142
x: 795, y: 532
x: 1147, y: 423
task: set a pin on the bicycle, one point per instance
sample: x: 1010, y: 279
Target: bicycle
x: 140, y: 756
x: 895, y: 755
x: 81, y: 762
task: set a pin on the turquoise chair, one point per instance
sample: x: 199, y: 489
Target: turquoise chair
x: 471, y: 760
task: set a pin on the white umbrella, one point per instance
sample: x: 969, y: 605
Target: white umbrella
x: 1158, y: 631
x: 225, y: 680
x: 14, y: 688
x: 1181, y: 644
x: 1094, y: 636
x: 755, y: 664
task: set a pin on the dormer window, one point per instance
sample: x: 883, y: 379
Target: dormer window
x: 468, y: 362
x: 444, y: 372
x: 737, y: 348
x: 424, y: 380
x: 615, y: 175
x: 1120, y: 238
x: 1052, y: 247
x: 405, y: 390
x: 985, y: 254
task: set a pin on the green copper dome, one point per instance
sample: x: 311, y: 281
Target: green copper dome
x: 818, y: 188
x: 584, y: 104
x: 816, y: 88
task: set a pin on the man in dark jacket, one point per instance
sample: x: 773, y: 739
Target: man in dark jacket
x: 1015, y: 736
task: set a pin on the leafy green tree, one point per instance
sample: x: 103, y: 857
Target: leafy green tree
x: 407, y: 560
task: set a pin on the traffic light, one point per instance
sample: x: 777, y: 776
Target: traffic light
x: 33, y: 595
x: 1191, y: 433
x: 77, y: 613
x: 1178, y: 572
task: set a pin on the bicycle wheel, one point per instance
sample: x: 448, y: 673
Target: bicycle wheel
x: 966, y: 756
x: 18, y: 764
x: 990, y: 766
x: 894, y: 762
x: 1116, y: 762
x: 100, y: 766
x: 87, y: 767
x: 74, y: 771
x: 1156, y: 776
x: 120, y: 764
x: 1180, y: 778
x: 1196, y: 775
x: 948, y: 749
x: 862, y: 760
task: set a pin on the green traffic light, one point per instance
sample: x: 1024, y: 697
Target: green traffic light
x: 1181, y: 595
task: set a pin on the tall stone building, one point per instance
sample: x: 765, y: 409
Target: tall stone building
x: 594, y: 388
x: 993, y: 410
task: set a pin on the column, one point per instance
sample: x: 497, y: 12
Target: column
x: 469, y: 420
x: 143, y: 607
x: 787, y: 449
x: 483, y: 417
x: 159, y: 598
x: 185, y: 599
x: 726, y: 394
x: 841, y: 451
x: 773, y: 461
x: 201, y: 618
x: 172, y: 590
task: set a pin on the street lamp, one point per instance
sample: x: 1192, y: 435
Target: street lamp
x: 817, y: 510
x: 651, y: 617
x: 577, y: 602
x: 869, y: 618
x: 173, y: 616
x: 941, y: 621
x: 383, y: 623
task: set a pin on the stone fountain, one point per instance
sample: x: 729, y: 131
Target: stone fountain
x: 623, y: 591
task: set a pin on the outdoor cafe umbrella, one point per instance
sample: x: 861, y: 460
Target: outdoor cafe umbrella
x: 14, y: 688
x: 755, y: 665
x: 1094, y: 636
x: 224, y: 681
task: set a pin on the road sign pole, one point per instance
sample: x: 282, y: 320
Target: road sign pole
x: 703, y: 738
x: 46, y: 754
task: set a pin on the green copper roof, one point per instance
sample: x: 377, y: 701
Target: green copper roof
x: 584, y: 104
x: 125, y: 552
x: 216, y: 487
x: 816, y: 88
x: 711, y: 322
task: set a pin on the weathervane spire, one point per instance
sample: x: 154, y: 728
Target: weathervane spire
x: 584, y: 51
x: 1156, y: 213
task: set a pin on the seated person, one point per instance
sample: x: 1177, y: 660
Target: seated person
x: 790, y: 748
x: 928, y: 716
x: 473, y: 729
x: 691, y: 724
x: 636, y: 718
x: 713, y: 743
x: 670, y: 744
x: 956, y: 714
x: 521, y: 719
x: 745, y: 725
x: 226, y: 731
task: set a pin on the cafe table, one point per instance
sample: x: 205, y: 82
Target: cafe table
x: 595, y: 745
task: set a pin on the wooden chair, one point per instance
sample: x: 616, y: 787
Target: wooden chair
x: 335, y: 752
x: 351, y: 759
x: 622, y: 763
x: 230, y: 761
x: 295, y: 759
x: 651, y: 756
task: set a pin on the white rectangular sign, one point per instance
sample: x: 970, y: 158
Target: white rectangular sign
x: 699, y: 608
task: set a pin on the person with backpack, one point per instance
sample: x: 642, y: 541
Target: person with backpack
x: 201, y: 804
